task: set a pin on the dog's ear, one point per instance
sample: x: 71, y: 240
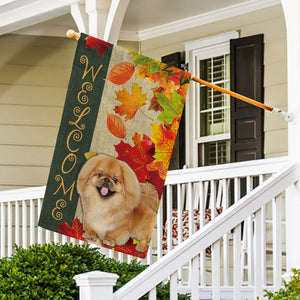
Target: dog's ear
x: 84, y: 175
x: 131, y: 185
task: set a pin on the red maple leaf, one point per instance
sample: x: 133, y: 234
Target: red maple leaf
x: 138, y: 156
x: 128, y: 248
x: 75, y: 231
x: 157, y: 181
x: 94, y: 43
x: 176, y: 76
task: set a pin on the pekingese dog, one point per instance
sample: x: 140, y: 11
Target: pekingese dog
x: 115, y: 205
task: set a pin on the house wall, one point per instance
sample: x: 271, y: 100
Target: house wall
x: 34, y: 75
x: 35, y: 70
x: 271, y: 23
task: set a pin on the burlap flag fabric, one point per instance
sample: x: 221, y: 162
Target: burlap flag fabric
x: 119, y: 124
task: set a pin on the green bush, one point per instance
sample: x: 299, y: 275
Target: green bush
x: 290, y: 291
x: 46, y: 272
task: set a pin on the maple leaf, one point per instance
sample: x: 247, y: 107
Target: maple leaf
x: 159, y: 167
x: 121, y: 73
x: 139, y: 59
x: 154, y: 105
x: 116, y: 126
x: 128, y: 248
x: 75, y: 231
x: 157, y: 181
x: 138, y: 156
x: 164, y: 137
x: 130, y: 102
x: 171, y: 108
x: 143, y: 71
x: 176, y: 76
x: 92, y: 42
x: 185, y: 78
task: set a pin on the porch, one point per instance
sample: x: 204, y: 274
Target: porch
x: 235, y: 254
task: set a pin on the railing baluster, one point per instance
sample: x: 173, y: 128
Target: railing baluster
x: 212, y: 200
x: 258, y: 288
x: 237, y: 267
x: 9, y: 229
x: 215, y: 261
x: 195, y: 278
x: 24, y: 224
x: 32, y: 222
x: 48, y: 236
x: 202, y: 219
x: 277, y: 240
x: 179, y: 228
x: 39, y: 230
x: 152, y: 294
x: 159, y: 221
x: 2, y: 224
x: 249, y: 183
x: 225, y: 205
x: 190, y: 208
x: 17, y: 223
x: 173, y: 286
x: 169, y: 217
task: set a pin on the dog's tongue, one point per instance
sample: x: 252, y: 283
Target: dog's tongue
x: 104, y: 191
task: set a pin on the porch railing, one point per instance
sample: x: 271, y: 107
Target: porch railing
x: 191, y: 251
x: 191, y: 199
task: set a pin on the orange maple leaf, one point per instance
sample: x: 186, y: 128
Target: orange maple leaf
x: 130, y: 102
x: 163, y: 136
x: 159, y: 167
x: 121, y: 73
x: 116, y: 126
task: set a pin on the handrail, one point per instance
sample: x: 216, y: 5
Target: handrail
x: 230, y: 170
x: 240, y: 169
x: 199, y: 241
x: 22, y: 194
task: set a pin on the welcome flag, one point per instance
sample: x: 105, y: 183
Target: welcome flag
x: 121, y: 104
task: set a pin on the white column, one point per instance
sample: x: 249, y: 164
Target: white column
x: 98, y: 11
x: 292, y: 17
x: 96, y: 285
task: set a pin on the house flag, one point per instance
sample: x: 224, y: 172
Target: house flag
x: 119, y: 124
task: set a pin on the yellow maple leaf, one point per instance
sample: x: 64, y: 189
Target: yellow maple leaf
x: 164, y: 137
x: 143, y: 71
x: 130, y: 102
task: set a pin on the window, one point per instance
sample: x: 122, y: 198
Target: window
x: 208, y: 110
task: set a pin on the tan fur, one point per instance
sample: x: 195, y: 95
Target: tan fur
x: 129, y: 212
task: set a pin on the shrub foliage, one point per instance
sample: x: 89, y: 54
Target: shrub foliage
x: 47, y: 271
x: 290, y: 291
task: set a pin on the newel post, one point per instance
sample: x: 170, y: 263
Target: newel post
x: 96, y: 285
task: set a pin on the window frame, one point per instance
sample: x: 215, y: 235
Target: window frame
x: 196, y: 51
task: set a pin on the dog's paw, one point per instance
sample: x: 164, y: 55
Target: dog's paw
x: 90, y: 236
x: 110, y: 243
x: 141, y: 247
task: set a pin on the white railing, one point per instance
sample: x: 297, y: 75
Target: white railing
x: 19, y: 212
x: 187, y: 194
x: 251, y: 206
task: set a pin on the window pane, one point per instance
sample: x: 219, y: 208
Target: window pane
x: 214, y: 105
x: 214, y: 153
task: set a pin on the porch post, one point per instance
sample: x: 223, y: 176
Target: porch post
x: 292, y: 18
x: 96, y: 285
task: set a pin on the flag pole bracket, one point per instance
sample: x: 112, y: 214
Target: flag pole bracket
x: 285, y: 115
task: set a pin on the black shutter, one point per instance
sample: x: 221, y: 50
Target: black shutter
x: 178, y: 156
x: 246, y: 78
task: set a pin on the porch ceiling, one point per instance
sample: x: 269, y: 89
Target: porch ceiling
x: 143, y: 19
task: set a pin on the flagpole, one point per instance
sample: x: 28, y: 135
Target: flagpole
x: 286, y: 115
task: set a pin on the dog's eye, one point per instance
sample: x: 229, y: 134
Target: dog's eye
x: 115, y: 180
x: 100, y: 175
